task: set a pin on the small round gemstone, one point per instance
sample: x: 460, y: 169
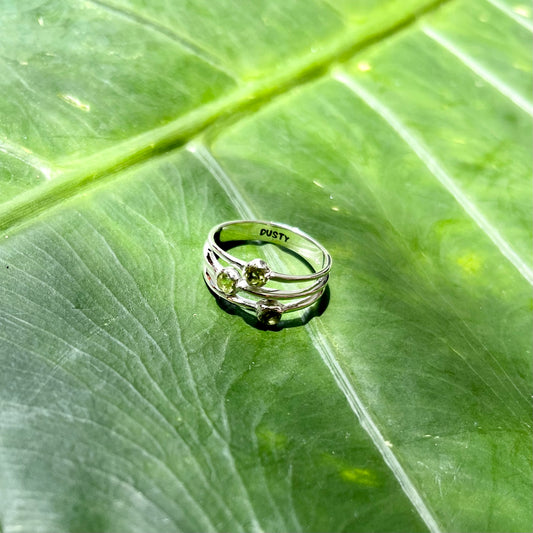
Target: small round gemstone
x: 269, y: 312
x: 227, y: 280
x: 256, y: 273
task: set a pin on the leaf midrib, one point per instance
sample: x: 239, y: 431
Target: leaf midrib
x: 216, y: 116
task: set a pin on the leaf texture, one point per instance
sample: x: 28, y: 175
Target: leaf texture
x: 396, y: 133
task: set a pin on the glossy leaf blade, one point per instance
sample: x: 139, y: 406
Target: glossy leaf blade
x: 397, y: 134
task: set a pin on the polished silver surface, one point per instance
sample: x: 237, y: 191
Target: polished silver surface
x: 275, y: 233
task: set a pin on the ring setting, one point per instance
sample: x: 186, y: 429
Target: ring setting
x: 227, y: 280
x: 256, y: 273
x: 269, y: 312
x: 251, y: 285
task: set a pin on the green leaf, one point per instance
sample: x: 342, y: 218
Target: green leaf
x: 396, y: 133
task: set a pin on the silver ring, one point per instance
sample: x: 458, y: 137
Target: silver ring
x: 227, y: 275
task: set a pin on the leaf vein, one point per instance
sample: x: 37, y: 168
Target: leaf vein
x: 438, y: 172
x: 525, y: 23
x: 192, y: 380
x: 324, y: 349
x: 478, y: 69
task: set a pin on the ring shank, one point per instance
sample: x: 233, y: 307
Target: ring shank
x: 213, y: 266
x: 295, y: 305
x: 274, y: 233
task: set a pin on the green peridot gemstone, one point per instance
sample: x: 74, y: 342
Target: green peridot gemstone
x: 256, y: 273
x: 227, y: 280
x: 269, y: 312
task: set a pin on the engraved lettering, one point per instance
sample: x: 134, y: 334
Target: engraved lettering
x: 274, y: 234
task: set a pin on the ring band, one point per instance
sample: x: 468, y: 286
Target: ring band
x: 215, y: 267
x: 227, y: 275
x: 292, y: 238
x: 268, y: 311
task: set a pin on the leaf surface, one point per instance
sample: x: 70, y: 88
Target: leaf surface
x: 398, y: 134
